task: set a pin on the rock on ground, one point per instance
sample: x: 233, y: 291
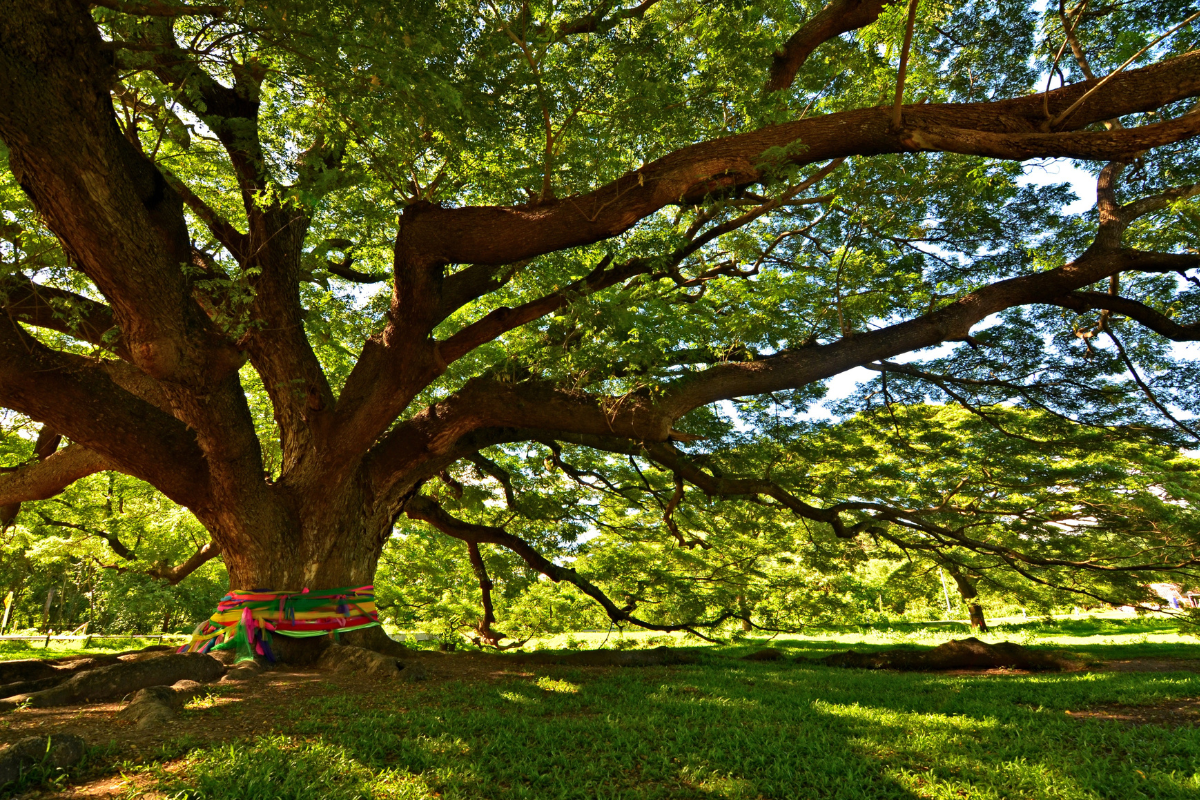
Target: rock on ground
x: 117, y: 680
x: 970, y: 653
x: 60, y: 750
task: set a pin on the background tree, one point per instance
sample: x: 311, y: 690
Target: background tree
x: 296, y: 264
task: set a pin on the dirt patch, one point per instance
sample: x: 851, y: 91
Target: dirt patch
x: 1171, y: 714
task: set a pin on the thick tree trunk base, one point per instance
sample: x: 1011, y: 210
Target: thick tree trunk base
x: 959, y: 654
x: 306, y: 652
x: 978, y: 622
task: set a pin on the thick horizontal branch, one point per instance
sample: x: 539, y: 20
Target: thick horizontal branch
x: 1006, y: 129
x: 62, y: 311
x: 805, y: 365
x: 532, y: 407
x: 76, y: 397
x: 1115, y: 145
x: 1156, y: 321
x: 429, y: 436
x: 45, y: 446
x: 41, y: 480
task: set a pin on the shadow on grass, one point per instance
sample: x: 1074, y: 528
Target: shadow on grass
x: 718, y: 729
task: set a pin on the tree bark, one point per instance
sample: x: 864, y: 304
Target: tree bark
x: 170, y: 409
x: 966, y: 590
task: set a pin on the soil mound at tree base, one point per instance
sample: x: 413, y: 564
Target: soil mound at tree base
x: 968, y: 653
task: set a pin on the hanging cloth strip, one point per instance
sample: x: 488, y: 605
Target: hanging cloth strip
x: 246, y: 620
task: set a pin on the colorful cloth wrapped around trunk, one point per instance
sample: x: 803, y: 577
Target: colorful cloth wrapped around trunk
x: 246, y: 620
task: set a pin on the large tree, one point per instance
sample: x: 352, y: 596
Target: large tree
x: 291, y: 262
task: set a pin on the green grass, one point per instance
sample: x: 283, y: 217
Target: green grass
x: 719, y: 729
x: 722, y: 728
x: 10, y: 650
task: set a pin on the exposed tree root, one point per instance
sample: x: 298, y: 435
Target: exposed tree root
x: 13, y: 674
x: 375, y: 639
x: 659, y: 656
x: 117, y: 680
x: 373, y: 664
x: 60, y: 750
x: 968, y: 653
x: 157, y: 705
x: 244, y: 671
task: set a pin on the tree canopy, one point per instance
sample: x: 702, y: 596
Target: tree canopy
x: 493, y: 291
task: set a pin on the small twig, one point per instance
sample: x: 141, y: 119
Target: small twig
x: 1137, y: 378
x: 1071, y: 109
x: 1069, y: 30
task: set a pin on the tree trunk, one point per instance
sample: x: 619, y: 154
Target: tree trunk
x: 329, y: 538
x: 967, y: 592
x: 978, y: 623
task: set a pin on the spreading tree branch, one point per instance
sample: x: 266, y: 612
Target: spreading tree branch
x: 1082, y: 302
x: 840, y: 16
x: 118, y: 430
x: 426, y: 510
x: 36, y: 481
x: 62, y: 311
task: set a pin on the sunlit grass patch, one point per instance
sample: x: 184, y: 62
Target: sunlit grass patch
x: 279, y: 768
x: 720, y: 728
x: 549, y: 684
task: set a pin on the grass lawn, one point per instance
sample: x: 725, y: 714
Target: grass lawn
x: 10, y: 650
x: 723, y: 728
